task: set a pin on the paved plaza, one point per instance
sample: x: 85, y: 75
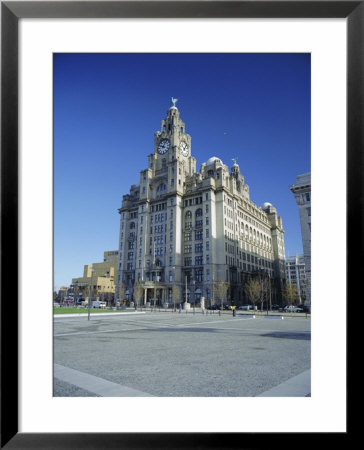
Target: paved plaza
x: 169, y: 354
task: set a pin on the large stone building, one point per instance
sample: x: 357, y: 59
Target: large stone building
x: 192, y: 229
x: 302, y: 193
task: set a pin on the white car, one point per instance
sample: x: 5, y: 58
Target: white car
x: 245, y: 307
x: 291, y: 308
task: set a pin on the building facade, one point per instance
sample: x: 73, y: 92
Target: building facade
x: 98, y: 278
x: 192, y: 229
x: 296, y: 274
x: 302, y: 193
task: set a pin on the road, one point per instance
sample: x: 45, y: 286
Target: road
x: 168, y: 354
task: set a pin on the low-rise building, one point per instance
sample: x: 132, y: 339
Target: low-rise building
x: 99, y: 278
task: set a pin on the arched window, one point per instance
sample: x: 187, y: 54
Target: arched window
x: 188, y: 220
x: 161, y: 187
x: 199, y: 212
x: 132, y: 225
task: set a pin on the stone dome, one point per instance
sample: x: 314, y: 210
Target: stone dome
x: 266, y: 206
x: 212, y: 160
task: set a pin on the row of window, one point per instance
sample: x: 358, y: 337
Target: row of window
x: 198, y: 260
x: 188, y: 236
x: 198, y: 248
x: 195, y: 201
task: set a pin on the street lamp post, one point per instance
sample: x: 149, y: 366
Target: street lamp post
x: 194, y: 295
x: 186, y: 290
x: 89, y: 300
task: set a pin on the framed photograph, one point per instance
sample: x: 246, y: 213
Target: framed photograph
x: 47, y: 49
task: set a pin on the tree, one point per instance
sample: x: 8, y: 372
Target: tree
x: 122, y: 292
x: 76, y: 291
x: 290, y: 293
x: 221, y: 288
x: 253, y: 290
x: 176, y: 294
x: 138, y: 292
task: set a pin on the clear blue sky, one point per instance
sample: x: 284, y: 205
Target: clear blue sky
x: 255, y: 107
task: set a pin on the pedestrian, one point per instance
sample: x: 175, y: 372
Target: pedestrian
x: 180, y: 308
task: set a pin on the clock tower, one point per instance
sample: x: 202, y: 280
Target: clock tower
x: 172, y: 158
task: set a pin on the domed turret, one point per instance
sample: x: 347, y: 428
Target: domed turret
x: 212, y: 160
x: 266, y: 206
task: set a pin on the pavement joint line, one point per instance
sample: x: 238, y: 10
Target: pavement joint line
x: 85, y: 332
x: 80, y: 333
x: 297, y: 386
x: 96, y: 385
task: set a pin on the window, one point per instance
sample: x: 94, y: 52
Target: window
x: 199, y: 212
x: 188, y: 236
x: 161, y: 187
x: 188, y: 261
x: 199, y: 275
x: 199, y: 260
x: 199, y: 248
x: 188, y: 220
x: 188, y: 248
x: 198, y: 235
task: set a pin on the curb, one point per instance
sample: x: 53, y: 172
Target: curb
x: 97, y: 314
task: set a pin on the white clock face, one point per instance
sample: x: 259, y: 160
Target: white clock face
x: 163, y: 146
x: 184, y: 148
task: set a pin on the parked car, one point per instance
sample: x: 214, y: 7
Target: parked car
x: 212, y: 307
x: 245, y: 307
x: 292, y: 308
x: 275, y: 307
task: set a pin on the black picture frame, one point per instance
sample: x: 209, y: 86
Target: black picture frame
x: 11, y: 12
